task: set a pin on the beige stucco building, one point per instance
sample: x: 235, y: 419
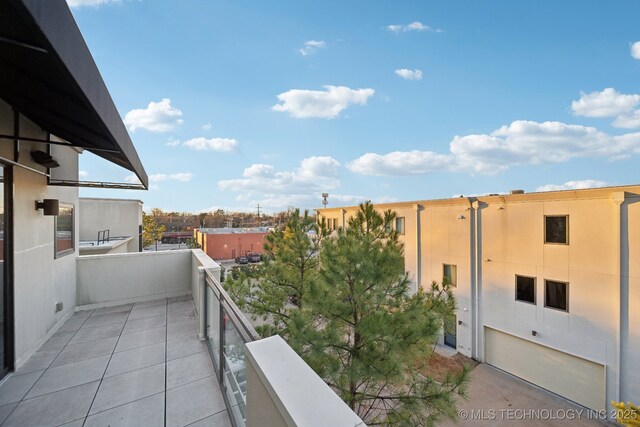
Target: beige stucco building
x: 547, y: 284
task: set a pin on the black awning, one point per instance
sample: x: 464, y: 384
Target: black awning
x: 48, y: 74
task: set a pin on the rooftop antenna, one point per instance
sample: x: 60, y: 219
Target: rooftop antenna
x: 324, y: 199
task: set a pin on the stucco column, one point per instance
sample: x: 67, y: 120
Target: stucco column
x: 622, y: 290
x: 418, y: 209
x: 477, y: 333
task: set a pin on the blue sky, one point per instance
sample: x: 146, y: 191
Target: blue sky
x: 235, y: 103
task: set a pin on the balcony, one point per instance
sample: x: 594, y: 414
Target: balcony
x: 156, y: 341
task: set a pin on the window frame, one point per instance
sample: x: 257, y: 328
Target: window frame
x: 544, y: 231
x: 535, y: 289
x: 454, y: 284
x: 566, y: 295
x: 398, y: 218
x: 59, y: 254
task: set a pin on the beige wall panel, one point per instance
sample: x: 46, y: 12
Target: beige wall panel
x: 575, y: 378
x: 593, y: 235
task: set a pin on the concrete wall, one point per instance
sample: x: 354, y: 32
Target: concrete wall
x: 122, y: 217
x: 117, y: 278
x: 40, y: 280
x: 283, y: 391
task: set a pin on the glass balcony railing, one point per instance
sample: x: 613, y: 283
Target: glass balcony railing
x: 227, y: 332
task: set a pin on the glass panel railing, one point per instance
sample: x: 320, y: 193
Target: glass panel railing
x: 234, y: 378
x: 213, y: 326
x: 228, y: 330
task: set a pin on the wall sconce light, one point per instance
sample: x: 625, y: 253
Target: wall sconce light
x: 460, y: 216
x: 534, y: 333
x: 51, y: 207
x: 44, y: 159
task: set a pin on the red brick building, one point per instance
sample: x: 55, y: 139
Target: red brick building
x: 229, y: 243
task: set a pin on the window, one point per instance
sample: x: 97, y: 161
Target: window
x: 64, y: 238
x: 556, y: 229
x: 449, y: 274
x: 556, y: 295
x: 400, y: 225
x: 526, y: 289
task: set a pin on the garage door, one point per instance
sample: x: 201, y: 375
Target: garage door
x: 569, y: 376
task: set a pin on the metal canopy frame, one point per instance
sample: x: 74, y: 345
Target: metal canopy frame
x: 50, y: 77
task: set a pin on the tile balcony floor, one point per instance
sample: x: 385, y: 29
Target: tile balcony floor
x: 132, y: 365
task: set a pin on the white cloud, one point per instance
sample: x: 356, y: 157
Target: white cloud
x: 311, y: 46
x: 635, y: 50
x: 327, y: 104
x: 313, y: 174
x: 157, y: 117
x: 206, y: 126
x: 159, y: 177
x: 573, y: 185
x: 180, y: 176
x: 608, y: 103
x: 401, y: 163
x: 83, y: 174
x: 628, y: 121
x: 521, y: 142
x: 211, y: 144
x: 414, y: 26
x: 273, y: 189
x: 173, y: 142
x: 408, y: 74
x: 527, y: 142
x: 131, y: 179
x: 94, y: 3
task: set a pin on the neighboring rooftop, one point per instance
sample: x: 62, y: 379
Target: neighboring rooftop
x: 227, y: 230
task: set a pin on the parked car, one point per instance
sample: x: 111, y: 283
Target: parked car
x: 253, y: 257
x: 242, y: 260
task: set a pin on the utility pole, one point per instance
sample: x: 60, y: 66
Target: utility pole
x: 258, y: 214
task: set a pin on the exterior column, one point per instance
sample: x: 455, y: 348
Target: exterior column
x: 418, y: 208
x: 622, y: 290
x: 477, y: 333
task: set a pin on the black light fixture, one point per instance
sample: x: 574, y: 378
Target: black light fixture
x: 50, y: 207
x: 44, y: 159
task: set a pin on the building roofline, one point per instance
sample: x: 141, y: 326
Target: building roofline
x: 586, y: 193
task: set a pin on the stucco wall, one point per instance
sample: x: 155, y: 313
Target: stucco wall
x: 40, y: 280
x: 121, y: 217
x: 492, y: 239
x: 111, y: 278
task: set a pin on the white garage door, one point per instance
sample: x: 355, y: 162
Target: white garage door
x: 569, y: 376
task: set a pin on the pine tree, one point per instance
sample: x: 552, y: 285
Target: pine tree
x: 362, y: 332
x: 279, y: 286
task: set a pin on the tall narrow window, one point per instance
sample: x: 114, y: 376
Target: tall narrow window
x: 556, y: 295
x: 64, y: 238
x: 400, y: 225
x: 450, y: 274
x: 526, y: 289
x: 556, y: 229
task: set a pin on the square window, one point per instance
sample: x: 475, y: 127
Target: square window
x: 556, y: 229
x: 400, y: 225
x: 556, y: 295
x: 64, y: 229
x: 449, y: 274
x: 526, y: 289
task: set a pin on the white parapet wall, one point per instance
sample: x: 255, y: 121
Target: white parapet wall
x: 112, y: 279
x: 283, y: 391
